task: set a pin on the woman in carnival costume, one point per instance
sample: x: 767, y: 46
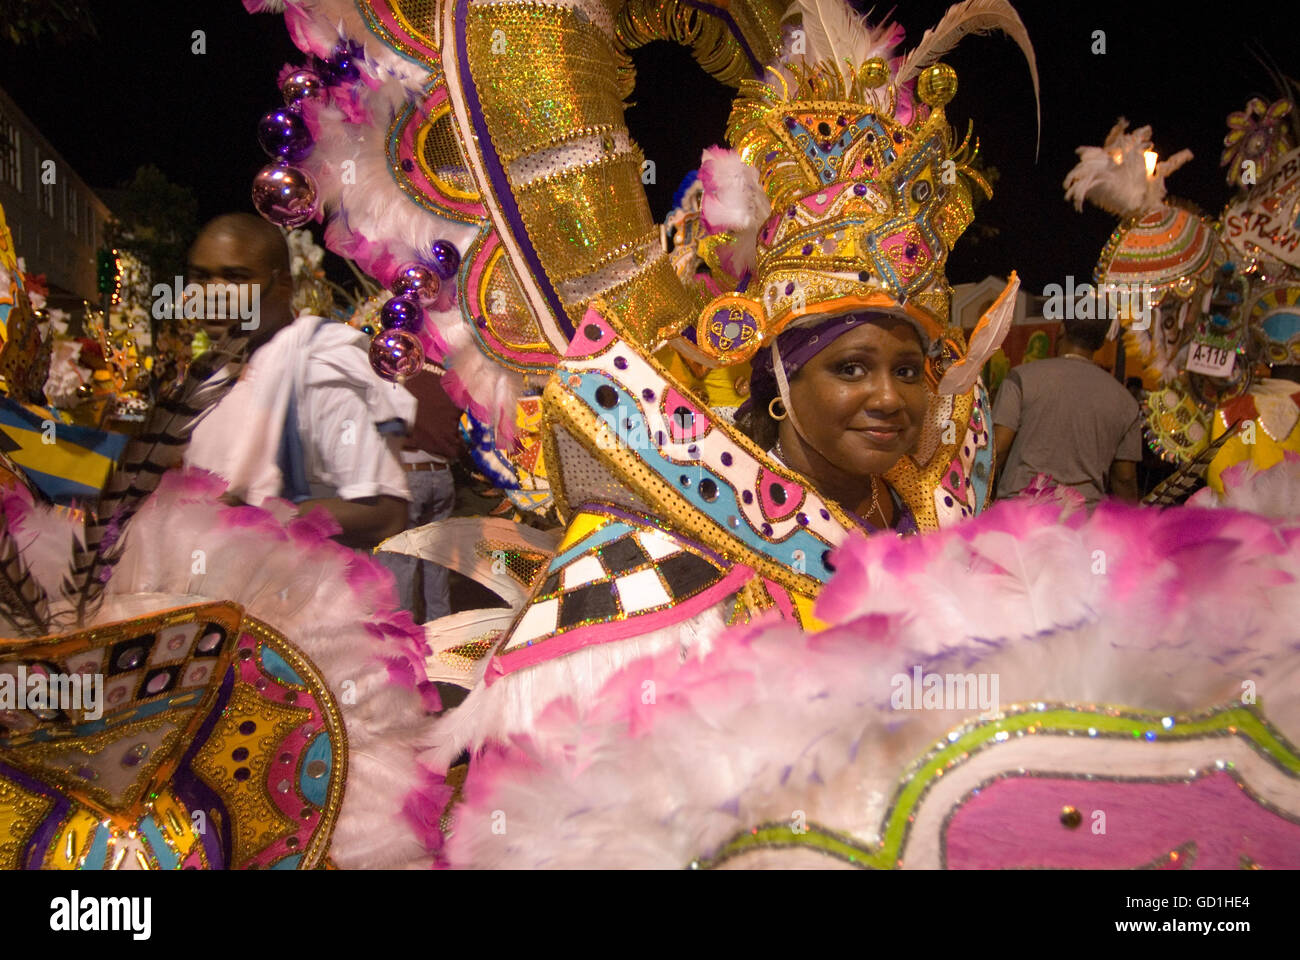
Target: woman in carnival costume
x: 972, y: 697
x: 612, y: 718
x: 834, y: 217
x: 1032, y: 667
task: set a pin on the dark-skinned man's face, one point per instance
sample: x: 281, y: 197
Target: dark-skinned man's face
x: 235, y: 270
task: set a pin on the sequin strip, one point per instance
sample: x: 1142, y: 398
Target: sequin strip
x: 1242, y: 721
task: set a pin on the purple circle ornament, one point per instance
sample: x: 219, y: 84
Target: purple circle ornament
x: 342, y: 65
x: 396, y: 355
x: 418, y: 281
x: 730, y: 329
x: 285, y: 195
x: 283, y: 134
x: 402, y: 313
x: 302, y: 84
x: 446, y: 259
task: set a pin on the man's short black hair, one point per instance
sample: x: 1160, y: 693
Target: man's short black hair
x: 264, y: 237
x: 1089, y: 334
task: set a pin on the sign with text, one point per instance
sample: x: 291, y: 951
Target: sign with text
x: 1211, y: 359
x: 1269, y: 216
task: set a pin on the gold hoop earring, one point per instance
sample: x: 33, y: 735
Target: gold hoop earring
x: 772, y: 413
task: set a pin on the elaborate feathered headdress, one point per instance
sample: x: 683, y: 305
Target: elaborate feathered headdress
x: 868, y: 191
x: 1159, y: 242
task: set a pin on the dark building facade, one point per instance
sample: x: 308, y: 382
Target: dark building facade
x: 58, y: 222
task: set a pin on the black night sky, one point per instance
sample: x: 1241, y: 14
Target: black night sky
x: 138, y: 95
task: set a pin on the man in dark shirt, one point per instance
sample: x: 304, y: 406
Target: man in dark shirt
x: 1067, y: 417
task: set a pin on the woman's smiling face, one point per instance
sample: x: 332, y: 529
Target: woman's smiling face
x: 862, y: 400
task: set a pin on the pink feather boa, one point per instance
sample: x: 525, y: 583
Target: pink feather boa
x: 1160, y: 609
x: 335, y: 605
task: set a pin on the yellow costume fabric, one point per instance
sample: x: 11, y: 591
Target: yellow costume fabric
x: 1270, y: 426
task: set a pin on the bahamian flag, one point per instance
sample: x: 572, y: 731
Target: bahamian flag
x: 63, y: 461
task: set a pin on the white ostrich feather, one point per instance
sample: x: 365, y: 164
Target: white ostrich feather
x: 837, y: 34
x: 494, y: 387
x: 1114, y: 176
x: 972, y: 16
x: 1270, y: 493
x: 512, y: 704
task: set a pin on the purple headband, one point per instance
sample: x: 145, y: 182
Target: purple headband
x: 797, y: 346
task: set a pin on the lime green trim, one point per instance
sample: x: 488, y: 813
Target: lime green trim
x: 1242, y: 721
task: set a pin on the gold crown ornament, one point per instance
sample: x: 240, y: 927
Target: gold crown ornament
x: 868, y: 190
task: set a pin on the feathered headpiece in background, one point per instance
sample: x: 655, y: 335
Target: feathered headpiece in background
x: 1124, y: 176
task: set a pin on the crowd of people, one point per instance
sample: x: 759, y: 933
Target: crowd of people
x: 309, y: 421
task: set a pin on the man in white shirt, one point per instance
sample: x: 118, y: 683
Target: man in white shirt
x: 309, y: 420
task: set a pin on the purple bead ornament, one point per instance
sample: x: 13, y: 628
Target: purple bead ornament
x: 302, y: 85
x: 445, y: 259
x: 402, y: 313
x: 396, y: 355
x: 285, y: 195
x: 283, y: 134
x: 418, y: 281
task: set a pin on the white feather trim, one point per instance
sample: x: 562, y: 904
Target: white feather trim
x: 512, y: 704
x: 1270, y: 493
x: 351, y: 167
x: 774, y: 721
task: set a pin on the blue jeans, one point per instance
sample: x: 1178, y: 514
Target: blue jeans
x: 433, y: 497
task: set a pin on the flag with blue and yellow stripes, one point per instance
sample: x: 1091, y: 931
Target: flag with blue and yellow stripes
x: 65, y: 462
